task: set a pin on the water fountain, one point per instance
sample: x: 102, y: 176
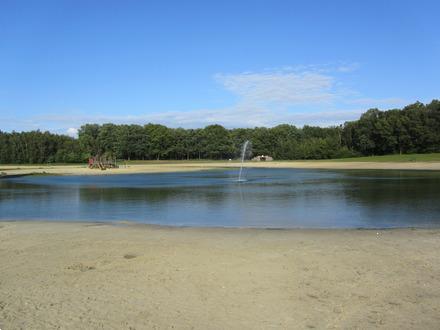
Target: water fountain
x: 245, y: 150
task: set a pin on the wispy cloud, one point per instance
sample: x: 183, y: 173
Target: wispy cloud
x: 312, y: 94
x: 347, y: 67
x: 232, y: 117
x: 378, y: 102
x: 285, y: 88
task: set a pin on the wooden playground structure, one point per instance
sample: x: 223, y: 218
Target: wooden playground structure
x: 102, y: 162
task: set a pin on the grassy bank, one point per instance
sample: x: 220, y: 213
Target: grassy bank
x: 433, y: 157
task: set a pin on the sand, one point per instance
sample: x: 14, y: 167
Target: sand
x: 103, y: 276
x: 159, y: 167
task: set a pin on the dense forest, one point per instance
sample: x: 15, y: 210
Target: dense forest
x: 413, y: 129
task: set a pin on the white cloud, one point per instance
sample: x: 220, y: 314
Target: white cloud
x: 282, y: 87
x: 71, y: 131
x: 237, y: 116
x: 313, y: 95
x: 370, y: 102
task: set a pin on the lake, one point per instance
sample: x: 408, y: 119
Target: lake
x: 270, y: 198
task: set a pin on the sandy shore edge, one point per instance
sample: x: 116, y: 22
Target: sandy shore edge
x: 164, y: 167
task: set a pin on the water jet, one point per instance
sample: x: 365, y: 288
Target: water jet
x: 245, y: 150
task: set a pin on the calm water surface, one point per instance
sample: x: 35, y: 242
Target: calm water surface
x: 271, y: 198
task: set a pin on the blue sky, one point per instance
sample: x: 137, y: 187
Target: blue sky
x: 193, y: 63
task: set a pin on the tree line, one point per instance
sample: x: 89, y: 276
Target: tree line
x: 413, y: 129
x: 37, y: 147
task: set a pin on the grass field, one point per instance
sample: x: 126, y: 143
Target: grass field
x: 433, y: 157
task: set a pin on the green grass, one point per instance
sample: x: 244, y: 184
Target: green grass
x: 434, y: 157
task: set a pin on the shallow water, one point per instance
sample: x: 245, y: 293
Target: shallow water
x: 270, y: 198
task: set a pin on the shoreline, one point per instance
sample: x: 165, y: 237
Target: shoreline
x: 95, y: 275
x: 140, y: 225
x: 8, y: 171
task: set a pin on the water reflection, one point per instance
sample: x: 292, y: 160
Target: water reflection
x: 271, y: 198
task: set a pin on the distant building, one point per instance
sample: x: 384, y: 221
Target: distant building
x: 262, y: 158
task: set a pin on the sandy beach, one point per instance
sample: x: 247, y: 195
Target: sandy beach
x: 181, y: 166
x: 103, y: 276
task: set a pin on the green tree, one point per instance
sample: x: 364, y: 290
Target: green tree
x: 88, y: 138
x: 216, y: 142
